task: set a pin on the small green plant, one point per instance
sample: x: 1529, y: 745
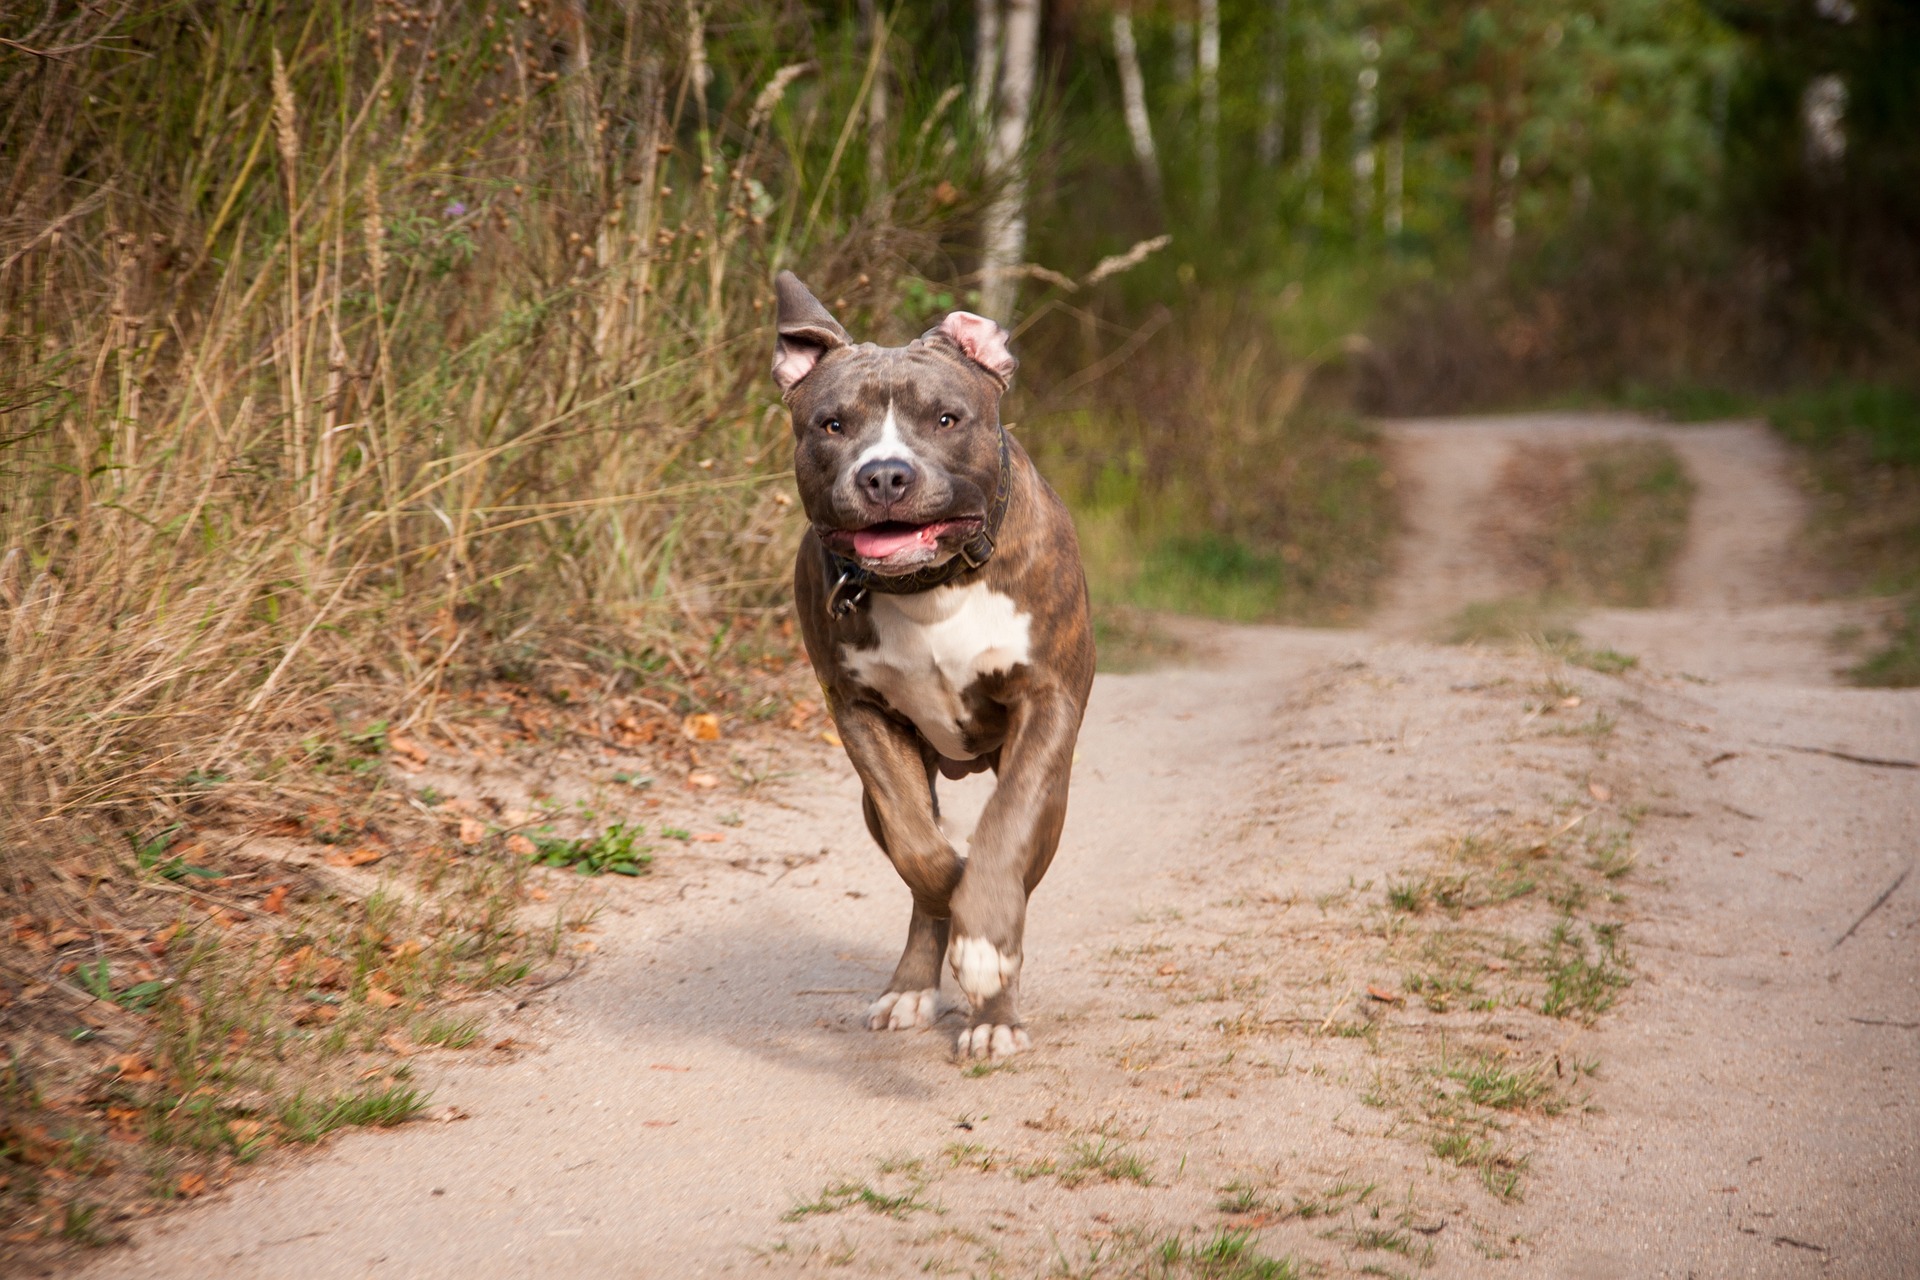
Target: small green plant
x: 1231, y: 1255
x: 1489, y: 1083
x: 1101, y: 1156
x: 308, y: 1120
x: 452, y: 1033
x: 1582, y: 981
x: 617, y: 849
x: 841, y: 1195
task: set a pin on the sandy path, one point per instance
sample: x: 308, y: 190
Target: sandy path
x: 1198, y: 974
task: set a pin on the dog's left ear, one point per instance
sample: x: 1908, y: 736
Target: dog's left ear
x: 806, y: 331
x: 981, y: 341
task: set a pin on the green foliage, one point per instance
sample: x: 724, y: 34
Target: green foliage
x: 308, y: 1119
x: 617, y: 849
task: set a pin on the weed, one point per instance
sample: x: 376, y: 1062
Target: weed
x: 617, y: 849
x: 309, y: 1120
x: 840, y: 1195
x: 1582, y: 982
x: 1489, y: 1083
x: 452, y: 1033
x: 1103, y: 1157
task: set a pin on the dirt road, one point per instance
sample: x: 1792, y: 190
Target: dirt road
x: 1359, y: 951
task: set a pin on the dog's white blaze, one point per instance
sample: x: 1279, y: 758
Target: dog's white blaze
x: 932, y: 646
x: 891, y: 445
x: 981, y: 969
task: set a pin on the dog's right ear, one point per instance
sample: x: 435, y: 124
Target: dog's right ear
x: 807, y: 331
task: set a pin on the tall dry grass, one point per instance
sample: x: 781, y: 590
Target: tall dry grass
x: 370, y: 343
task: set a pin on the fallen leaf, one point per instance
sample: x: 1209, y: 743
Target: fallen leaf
x: 1600, y: 791
x: 399, y: 1044
x: 702, y: 726
x: 134, y: 1069
x: 803, y: 711
x: 709, y: 837
x: 519, y: 817
x: 520, y: 845
x: 380, y: 999
x: 1383, y: 995
x: 538, y: 895
x: 1167, y: 970
x: 1572, y: 700
x: 408, y: 748
x: 447, y: 1114
x: 472, y: 831
x: 831, y: 738
x: 668, y: 1066
x: 357, y: 858
x: 191, y: 1185
x: 702, y: 781
x: 275, y: 903
x: 659, y: 1124
x: 244, y: 1131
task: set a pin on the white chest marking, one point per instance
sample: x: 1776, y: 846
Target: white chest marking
x: 931, y: 647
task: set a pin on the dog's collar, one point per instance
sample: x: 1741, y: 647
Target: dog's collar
x: 851, y: 583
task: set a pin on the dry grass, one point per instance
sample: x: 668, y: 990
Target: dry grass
x: 349, y: 355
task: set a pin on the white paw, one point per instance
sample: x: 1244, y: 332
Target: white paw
x: 981, y: 969
x: 903, y: 1010
x: 993, y: 1042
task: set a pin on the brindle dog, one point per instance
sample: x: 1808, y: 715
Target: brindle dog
x: 945, y: 610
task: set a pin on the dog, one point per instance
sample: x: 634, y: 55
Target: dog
x: 944, y: 608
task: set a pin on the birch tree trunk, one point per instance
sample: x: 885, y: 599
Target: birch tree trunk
x: 986, y: 59
x: 879, y: 192
x: 1005, y: 239
x: 1209, y: 62
x: 1133, y: 97
x: 1366, y: 111
x: 1273, y: 89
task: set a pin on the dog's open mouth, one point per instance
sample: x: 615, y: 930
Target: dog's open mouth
x: 895, y: 539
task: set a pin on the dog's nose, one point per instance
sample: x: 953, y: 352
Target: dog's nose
x: 885, y: 481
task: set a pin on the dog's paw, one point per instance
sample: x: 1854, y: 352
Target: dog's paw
x: 982, y: 970
x: 988, y: 1041
x: 903, y: 1010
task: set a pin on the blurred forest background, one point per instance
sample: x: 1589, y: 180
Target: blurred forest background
x: 372, y: 347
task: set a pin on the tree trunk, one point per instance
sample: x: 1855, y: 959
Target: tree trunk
x: 1005, y: 239
x: 1209, y: 108
x: 879, y: 192
x: 1393, y: 218
x: 1366, y: 111
x: 986, y: 59
x: 1133, y: 96
x: 1273, y: 89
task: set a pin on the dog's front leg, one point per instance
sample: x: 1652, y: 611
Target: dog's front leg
x: 1012, y: 847
x: 900, y: 813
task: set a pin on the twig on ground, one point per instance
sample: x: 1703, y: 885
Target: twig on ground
x: 1874, y: 762
x: 1886, y: 1022
x: 1878, y: 902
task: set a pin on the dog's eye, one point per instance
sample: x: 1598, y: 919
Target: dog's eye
x: 832, y: 426
x: 949, y: 419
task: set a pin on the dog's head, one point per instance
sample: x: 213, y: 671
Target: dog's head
x: 896, y: 449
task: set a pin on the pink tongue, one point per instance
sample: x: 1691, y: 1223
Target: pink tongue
x: 878, y: 544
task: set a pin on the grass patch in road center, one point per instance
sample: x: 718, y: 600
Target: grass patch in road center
x: 1598, y: 524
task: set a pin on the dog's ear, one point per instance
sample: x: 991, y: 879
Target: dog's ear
x: 807, y: 331
x: 981, y: 341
